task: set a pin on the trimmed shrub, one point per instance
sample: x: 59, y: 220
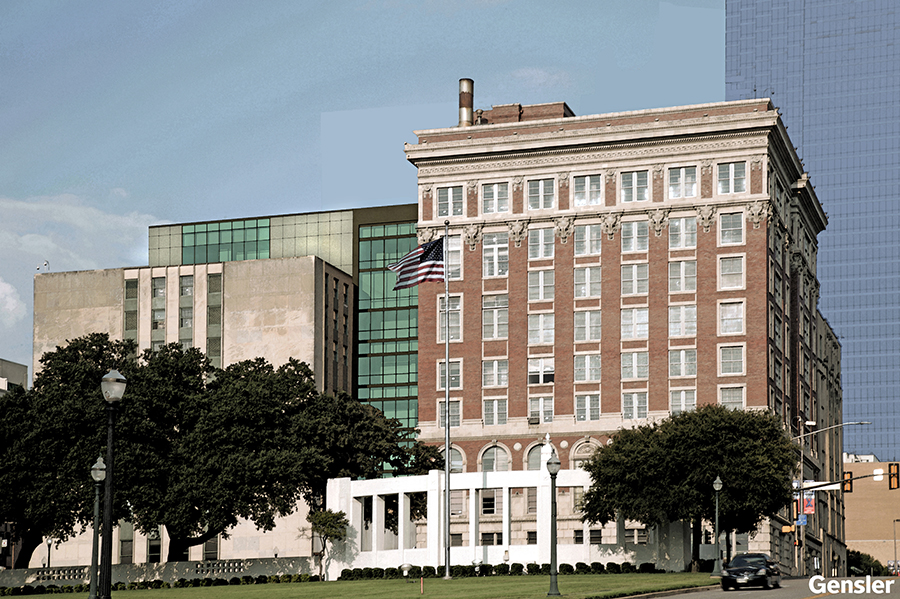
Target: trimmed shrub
x: 313, y: 578
x: 545, y: 569
x: 415, y: 572
x: 217, y: 582
x: 429, y: 572
x: 628, y: 568
x: 303, y: 578
x: 378, y: 573
x: 234, y: 580
x: 262, y: 579
x: 246, y: 579
x: 533, y: 569
x: 392, y: 573
x: 613, y: 568
x: 516, y: 569
x: 501, y: 569
x: 439, y: 572
x: 582, y: 568
x: 286, y: 578
x: 597, y: 568
x: 647, y: 568
x: 486, y: 570
x: 566, y: 569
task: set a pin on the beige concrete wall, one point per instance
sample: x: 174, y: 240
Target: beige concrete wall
x: 870, y: 511
x: 72, y: 304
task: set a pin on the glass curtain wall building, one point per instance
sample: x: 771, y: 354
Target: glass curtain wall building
x: 833, y: 69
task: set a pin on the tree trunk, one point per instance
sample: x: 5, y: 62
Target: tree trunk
x: 179, y: 545
x: 30, y: 542
x: 696, y: 534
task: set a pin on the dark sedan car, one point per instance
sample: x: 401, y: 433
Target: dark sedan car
x: 749, y: 570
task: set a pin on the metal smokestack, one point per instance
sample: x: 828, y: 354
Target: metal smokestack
x: 466, y: 102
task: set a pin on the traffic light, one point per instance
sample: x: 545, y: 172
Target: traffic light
x: 847, y: 485
x: 893, y: 476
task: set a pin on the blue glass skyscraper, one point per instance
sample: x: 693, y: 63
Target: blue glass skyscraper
x: 833, y: 69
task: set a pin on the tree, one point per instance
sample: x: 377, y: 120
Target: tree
x: 329, y: 526
x: 49, y: 437
x: 197, y: 448
x: 663, y: 472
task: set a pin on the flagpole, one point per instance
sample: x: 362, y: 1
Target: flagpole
x: 447, y: 400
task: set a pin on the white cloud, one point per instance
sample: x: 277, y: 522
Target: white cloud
x: 12, y: 308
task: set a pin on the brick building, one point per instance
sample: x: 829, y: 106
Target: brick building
x: 613, y: 269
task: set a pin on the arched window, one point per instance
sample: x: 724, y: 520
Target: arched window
x: 583, y: 453
x: 456, y: 461
x: 495, y: 459
x: 534, y: 457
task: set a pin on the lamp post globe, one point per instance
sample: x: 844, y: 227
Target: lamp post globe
x: 112, y: 386
x: 553, y: 466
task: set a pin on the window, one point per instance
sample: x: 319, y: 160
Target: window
x: 587, y: 281
x: 456, y: 538
x: 494, y: 412
x: 456, y: 461
x: 494, y: 373
x: 587, y: 325
x: 682, y: 321
x: 496, y: 254
x: 531, y: 500
x: 186, y: 318
x: 540, y: 194
x: 541, y: 408
x: 158, y: 320
x: 588, y: 190
x: 588, y: 239
x: 492, y: 538
x: 540, y: 243
x: 214, y: 283
x: 731, y: 228
x: 534, y: 458
x: 682, y: 400
x: 587, y: 367
x: 682, y: 233
x: 634, y: 187
x: 131, y: 289
x: 214, y: 316
x: 635, y: 323
x: 682, y: 362
x: 683, y: 182
x: 635, y: 365
x: 587, y: 407
x: 540, y: 371
x: 491, y: 499
x: 494, y: 198
x: 455, y: 318
x: 494, y: 316
x: 635, y: 236
x: 540, y: 328
x: 540, y: 285
x: 579, y: 537
x: 455, y: 374
x: 495, y: 459
x: 635, y: 279
x: 732, y: 397
x: 634, y: 405
x: 682, y: 276
x: 596, y: 536
x: 531, y: 537
x: 450, y: 201
x: 187, y: 285
x: 158, y: 286
x: 731, y: 272
x: 732, y: 177
x: 131, y: 320
x: 731, y: 318
x: 731, y: 360
x: 454, y: 414
x: 454, y: 257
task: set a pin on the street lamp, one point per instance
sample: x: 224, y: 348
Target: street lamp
x: 49, y: 543
x: 113, y: 388
x: 98, y: 473
x: 717, y: 566
x: 553, y: 469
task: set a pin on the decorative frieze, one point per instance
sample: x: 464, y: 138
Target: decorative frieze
x: 565, y: 226
x: 659, y: 220
x: 518, y: 231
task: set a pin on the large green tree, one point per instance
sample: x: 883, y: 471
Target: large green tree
x: 197, y: 448
x: 664, y: 471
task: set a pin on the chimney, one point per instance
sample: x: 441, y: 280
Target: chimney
x: 466, y: 103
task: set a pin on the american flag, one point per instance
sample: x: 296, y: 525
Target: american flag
x: 425, y: 263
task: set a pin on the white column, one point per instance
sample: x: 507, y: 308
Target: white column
x: 435, y: 489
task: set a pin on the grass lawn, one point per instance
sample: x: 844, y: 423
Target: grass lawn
x: 494, y: 587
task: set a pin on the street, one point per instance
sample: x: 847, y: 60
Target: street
x: 806, y: 588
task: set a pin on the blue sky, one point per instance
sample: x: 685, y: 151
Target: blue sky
x: 118, y: 115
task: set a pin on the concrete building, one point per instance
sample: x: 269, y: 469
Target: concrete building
x: 12, y: 375
x: 833, y: 68
x: 613, y: 269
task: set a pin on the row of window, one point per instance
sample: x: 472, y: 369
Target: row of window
x: 588, y: 190
x: 634, y: 322
x: 587, y: 406
x: 634, y: 365
x: 588, y: 240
